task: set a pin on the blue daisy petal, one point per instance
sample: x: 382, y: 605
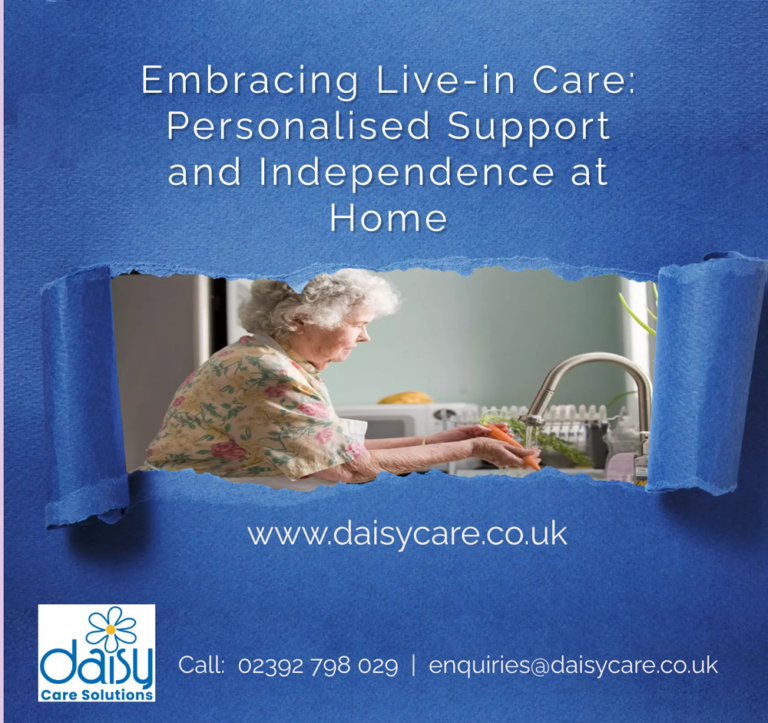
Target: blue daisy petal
x: 114, y: 614
x: 98, y: 626
x: 124, y: 636
x: 111, y: 645
x: 126, y: 624
x: 96, y: 637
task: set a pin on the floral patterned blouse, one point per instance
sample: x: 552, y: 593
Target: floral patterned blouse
x: 254, y: 409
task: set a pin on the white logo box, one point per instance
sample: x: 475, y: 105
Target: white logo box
x: 96, y: 653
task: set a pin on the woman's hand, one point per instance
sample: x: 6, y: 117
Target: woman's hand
x: 459, y: 434
x: 503, y: 454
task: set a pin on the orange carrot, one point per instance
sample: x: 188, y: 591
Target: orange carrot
x: 496, y: 433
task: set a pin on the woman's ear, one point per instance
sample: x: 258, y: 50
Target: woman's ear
x: 299, y: 325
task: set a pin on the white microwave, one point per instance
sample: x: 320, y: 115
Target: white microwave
x: 413, y: 420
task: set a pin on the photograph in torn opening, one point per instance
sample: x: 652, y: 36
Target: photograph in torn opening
x: 402, y: 371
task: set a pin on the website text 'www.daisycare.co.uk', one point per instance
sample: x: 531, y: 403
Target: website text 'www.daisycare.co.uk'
x: 400, y: 538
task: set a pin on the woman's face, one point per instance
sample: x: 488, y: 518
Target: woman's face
x: 323, y: 346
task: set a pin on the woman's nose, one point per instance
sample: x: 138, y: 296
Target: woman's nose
x: 364, y: 336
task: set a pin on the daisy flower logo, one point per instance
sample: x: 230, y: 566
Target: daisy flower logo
x: 111, y: 630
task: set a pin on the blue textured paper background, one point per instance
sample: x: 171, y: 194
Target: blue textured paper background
x: 679, y: 575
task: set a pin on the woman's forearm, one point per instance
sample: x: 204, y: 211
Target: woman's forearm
x: 401, y: 460
x: 393, y: 443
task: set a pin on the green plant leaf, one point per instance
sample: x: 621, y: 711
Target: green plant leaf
x: 634, y: 316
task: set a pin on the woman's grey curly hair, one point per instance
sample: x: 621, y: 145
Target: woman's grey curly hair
x: 325, y: 301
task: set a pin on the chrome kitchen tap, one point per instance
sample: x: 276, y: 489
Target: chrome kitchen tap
x: 535, y: 416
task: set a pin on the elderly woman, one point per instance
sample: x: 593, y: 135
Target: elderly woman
x: 258, y: 411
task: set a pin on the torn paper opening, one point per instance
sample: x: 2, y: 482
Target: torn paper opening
x: 708, y: 317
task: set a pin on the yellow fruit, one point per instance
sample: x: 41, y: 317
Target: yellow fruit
x: 407, y: 398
